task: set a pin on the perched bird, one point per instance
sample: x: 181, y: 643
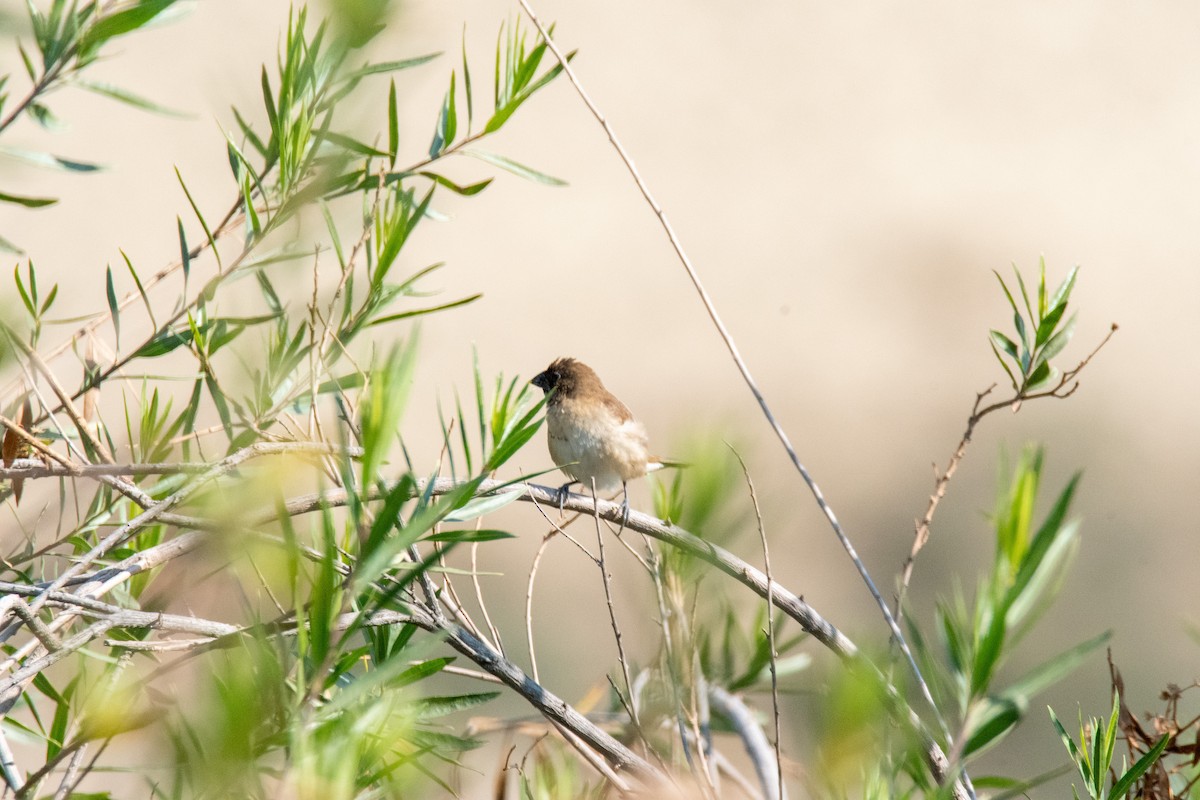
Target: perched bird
x: 592, y: 435
x: 15, y: 447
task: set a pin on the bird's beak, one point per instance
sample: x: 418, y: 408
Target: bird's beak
x: 542, y: 381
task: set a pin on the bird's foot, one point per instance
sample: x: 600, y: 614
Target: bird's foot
x: 563, y: 492
x: 624, y: 507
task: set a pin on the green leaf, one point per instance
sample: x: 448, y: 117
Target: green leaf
x: 1043, y: 375
x: 429, y: 707
x: 1039, y: 376
x: 355, y: 146
x: 990, y: 721
x: 30, y: 306
x: 49, y: 161
x: 10, y: 247
x: 391, y: 66
x: 1023, y: 334
x: 185, y: 254
x: 1000, y: 358
x: 1063, y: 292
x: 1048, y: 323
x: 383, y: 405
x: 141, y: 290
x: 28, y: 202
x: 131, y: 99
x: 1059, y: 340
x: 113, y: 309
x: 503, y: 112
x: 1122, y: 786
x: 988, y: 652
x: 269, y: 104
x: 44, y: 117
x: 1069, y: 743
x: 484, y: 505
x: 1042, y: 287
x: 447, y: 124
x: 122, y: 22
x: 28, y: 63
x: 467, y: 80
x: 334, y: 238
x: 393, y: 125
x: 468, y: 536
x: 1007, y: 293
x: 1054, y: 670
x: 163, y: 342
x: 420, y: 311
x: 49, y: 300
x: 212, y: 244
x: 1024, y: 294
x: 514, y: 167
x: 474, y: 188
x: 1004, y: 343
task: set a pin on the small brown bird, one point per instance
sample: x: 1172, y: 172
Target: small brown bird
x: 15, y: 447
x: 592, y: 435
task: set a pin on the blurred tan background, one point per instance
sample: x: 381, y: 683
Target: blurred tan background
x: 846, y: 177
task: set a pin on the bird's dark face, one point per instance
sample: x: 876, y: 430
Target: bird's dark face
x: 559, y: 377
x: 545, y: 380
x: 548, y: 379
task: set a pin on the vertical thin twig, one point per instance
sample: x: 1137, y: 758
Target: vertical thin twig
x: 762, y: 535
x: 537, y: 560
x: 731, y: 346
x: 606, y: 579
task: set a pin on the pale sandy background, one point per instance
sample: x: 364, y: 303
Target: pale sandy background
x: 845, y: 176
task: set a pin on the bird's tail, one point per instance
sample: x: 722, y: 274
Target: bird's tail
x: 654, y: 464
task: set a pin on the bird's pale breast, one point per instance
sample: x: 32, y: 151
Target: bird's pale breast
x: 604, y: 447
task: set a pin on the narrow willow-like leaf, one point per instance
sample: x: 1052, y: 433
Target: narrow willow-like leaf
x: 447, y: 124
x: 469, y: 536
x: 25, y: 298
x: 130, y: 99
x: 354, y: 146
x: 28, y: 202
x: 212, y: 244
x: 1042, y: 287
x: 122, y: 22
x: 467, y: 81
x: 1123, y: 784
x: 185, y: 254
x: 393, y: 125
x: 995, y: 717
x: 113, y: 309
x: 471, y: 189
x: 422, y: 311
x: 429, y: 707
x: 1049, y: 322
x: 1059, y: 340
x: 392, y: 66
x: 1004, y: 343
x: 514, y: 167
x: 1063, y: 293
x: 141, y: 289
x: 49, y: 300
x: 49, y: 160
x: 484, y: 505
